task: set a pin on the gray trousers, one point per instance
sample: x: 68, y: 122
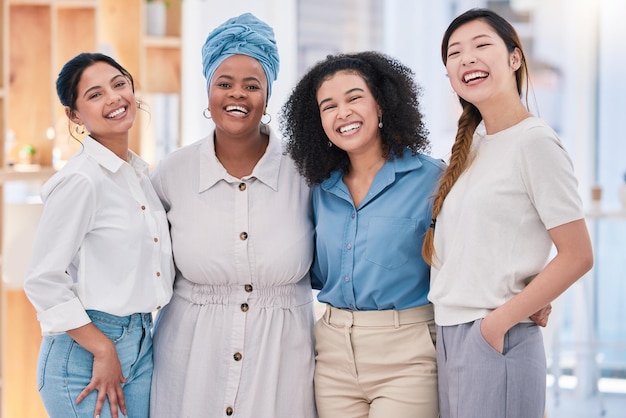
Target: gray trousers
x: 475, y: 381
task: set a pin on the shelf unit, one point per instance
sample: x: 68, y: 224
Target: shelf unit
x: 36, y: 38
x: 3, y: 112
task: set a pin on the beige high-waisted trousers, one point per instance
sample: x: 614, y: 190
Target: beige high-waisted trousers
x: 376, y: 364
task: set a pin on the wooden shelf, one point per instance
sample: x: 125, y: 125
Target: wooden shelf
x: 162, y: 42
x: 36, y: 38
x: 39, y: 174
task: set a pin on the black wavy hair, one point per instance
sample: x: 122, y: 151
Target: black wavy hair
x: 394, y: 89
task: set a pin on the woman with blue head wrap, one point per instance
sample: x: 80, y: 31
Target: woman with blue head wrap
x: 242, y: 35
x: 236, y: 340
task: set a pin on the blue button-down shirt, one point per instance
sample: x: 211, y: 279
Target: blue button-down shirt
x: 369, y: 258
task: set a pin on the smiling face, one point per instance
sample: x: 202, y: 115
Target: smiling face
x: 105, y: 102
x: 237, y: 94
x: 479, y: 65
x: 349, y: 113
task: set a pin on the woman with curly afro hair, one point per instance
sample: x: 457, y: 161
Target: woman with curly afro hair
x: 355, y: 131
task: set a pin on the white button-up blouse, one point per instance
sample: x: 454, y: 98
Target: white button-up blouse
x: 102, y: 243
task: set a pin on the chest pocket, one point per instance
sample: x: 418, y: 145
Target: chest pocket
x: 390, y: 241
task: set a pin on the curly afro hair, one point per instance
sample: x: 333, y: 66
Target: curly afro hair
x: 394, y: 89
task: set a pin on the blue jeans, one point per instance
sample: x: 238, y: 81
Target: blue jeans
x: 65, y: 368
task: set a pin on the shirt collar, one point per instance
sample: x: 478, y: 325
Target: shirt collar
x: 266, y: 170
x: 107, y: 158
x: 387, y: 171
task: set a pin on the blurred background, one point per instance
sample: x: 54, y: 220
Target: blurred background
x: 577, y: 55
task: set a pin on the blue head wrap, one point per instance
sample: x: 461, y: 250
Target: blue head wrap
x: 241, y: 35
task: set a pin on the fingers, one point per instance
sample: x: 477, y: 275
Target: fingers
x: 542, y: 315
x: 116, y: 399
x: 121, y: 400
x: 100, y: 403
x: 82, y: 395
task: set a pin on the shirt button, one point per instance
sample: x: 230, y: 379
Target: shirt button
x: 156, y: 239
x: 244, y: 307
x: 346, y: 279
x: 229, y: 411
x: 351, y: 306
x: 143, y: 207
x: 353, y: 215
x: 248, y: 288
x: 349, y: 246
x: 242, y: 186
x: 237, y: 356
x: 158, y: 274
x: 243, y: 236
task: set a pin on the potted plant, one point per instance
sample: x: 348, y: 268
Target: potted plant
x: 27, y: 154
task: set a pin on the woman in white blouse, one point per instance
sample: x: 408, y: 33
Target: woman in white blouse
x: 236, y: 340
x: 101, y: 261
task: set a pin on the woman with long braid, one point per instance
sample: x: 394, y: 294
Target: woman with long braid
x: 508, y: 195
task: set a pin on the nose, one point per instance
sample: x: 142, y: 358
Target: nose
x: 113, y: 97
x: 237, y: 92
x: 468, y: 58
x: 344, y: 112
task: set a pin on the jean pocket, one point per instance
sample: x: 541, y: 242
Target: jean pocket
x: 44, y: 354
x: 113, y: 332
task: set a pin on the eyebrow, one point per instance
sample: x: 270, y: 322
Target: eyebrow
x: 473, y: 39
x: 86, y: 93
x: 345, y: 94
x: 230, y: 77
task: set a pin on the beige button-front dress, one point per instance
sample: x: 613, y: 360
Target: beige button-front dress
x: 236, y: 339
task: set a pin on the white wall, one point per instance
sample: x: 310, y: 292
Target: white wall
x: 202, y: 16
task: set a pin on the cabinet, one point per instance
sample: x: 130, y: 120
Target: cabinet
x: 36, y: 38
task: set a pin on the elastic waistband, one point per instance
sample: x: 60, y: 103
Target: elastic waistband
x: 390, y: 317
x: 281, y: 296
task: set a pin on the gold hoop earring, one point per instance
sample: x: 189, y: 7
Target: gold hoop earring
x: 269, y: 120
x: 81, y: 131
x: 206, y: 113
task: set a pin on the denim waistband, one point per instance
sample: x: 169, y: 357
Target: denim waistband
x: 129, y: 321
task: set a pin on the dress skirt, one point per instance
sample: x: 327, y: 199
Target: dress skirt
x: 235, y: 351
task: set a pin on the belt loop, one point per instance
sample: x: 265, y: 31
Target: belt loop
x: 396, y: 319
x: 327, y: 314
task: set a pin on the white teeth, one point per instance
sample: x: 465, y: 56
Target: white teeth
x: 116, y: 113
x: 472, y: 76
x: 237, y: 109
x: 349, y: 128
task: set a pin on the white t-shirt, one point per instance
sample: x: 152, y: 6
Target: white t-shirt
x: 491, y: 237
x: 102, y: 243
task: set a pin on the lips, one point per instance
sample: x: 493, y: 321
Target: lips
x: 349, y: 128
x: 116, y: 113
x: 237, y: 109
x: 474, y: 75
